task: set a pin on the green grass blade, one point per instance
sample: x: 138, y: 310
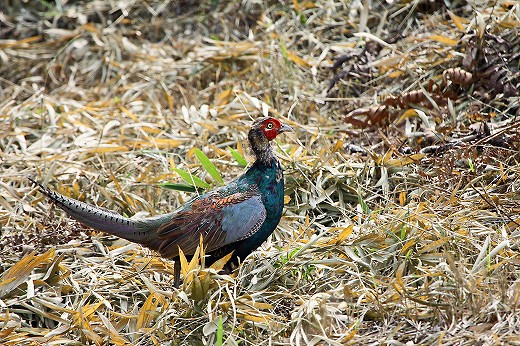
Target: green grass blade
x: 220, y: 332
x: 242, y: 162
x: 180, y: 187
x: 364, y: 206
x: 209, y: 166
x: 191, y: 179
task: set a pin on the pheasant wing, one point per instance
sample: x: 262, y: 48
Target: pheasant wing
x: 220, y: 219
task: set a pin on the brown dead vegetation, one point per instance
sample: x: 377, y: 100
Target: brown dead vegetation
x: 402, y: 179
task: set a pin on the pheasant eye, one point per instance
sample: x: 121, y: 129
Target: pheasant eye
x: 269, y: 126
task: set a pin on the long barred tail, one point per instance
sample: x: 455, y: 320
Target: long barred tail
x: 101, y: 219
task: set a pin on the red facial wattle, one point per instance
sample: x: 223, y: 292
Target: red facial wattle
x: 270, y: 128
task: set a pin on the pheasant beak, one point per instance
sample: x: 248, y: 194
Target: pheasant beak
x: 284, y: 128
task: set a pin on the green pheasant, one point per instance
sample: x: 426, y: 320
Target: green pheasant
x: 236, y: 218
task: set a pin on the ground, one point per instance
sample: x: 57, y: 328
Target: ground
x: 402, y: 176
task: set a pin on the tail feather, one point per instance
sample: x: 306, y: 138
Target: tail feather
x: 138, y: 231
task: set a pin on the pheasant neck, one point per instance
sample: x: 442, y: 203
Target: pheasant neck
x: 262, y: 149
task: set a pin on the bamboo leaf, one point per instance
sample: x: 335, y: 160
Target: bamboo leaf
x: 180, y: 187
x: 194, y: 260
x: 209, y: 166
x: 443, y: 39
x: 433, y: 245
x: 197, y: 293
x: 257, y: 319
x: 224, y: 97
x: 220, y: 332
x: 149, y: 310
x: 404, y: 161
x: 297, y: 60
x: 83, y: 316
x: 184, y: 264
x: 191, y: 179
x: 19, y: 272
x: 219, y: 264
x: 363, y: 205
x: 399, y: 275
x: 238, y: 157
x: 458, y: 21
x: 345, y: 232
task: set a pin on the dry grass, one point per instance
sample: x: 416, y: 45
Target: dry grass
x: 391, y: 245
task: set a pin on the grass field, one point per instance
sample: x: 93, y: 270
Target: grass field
x: 401, y: 223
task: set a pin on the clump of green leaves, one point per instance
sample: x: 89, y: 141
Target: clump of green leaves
x: 196, y: 184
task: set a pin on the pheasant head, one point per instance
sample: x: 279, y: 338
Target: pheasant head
x: 264, y: 130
